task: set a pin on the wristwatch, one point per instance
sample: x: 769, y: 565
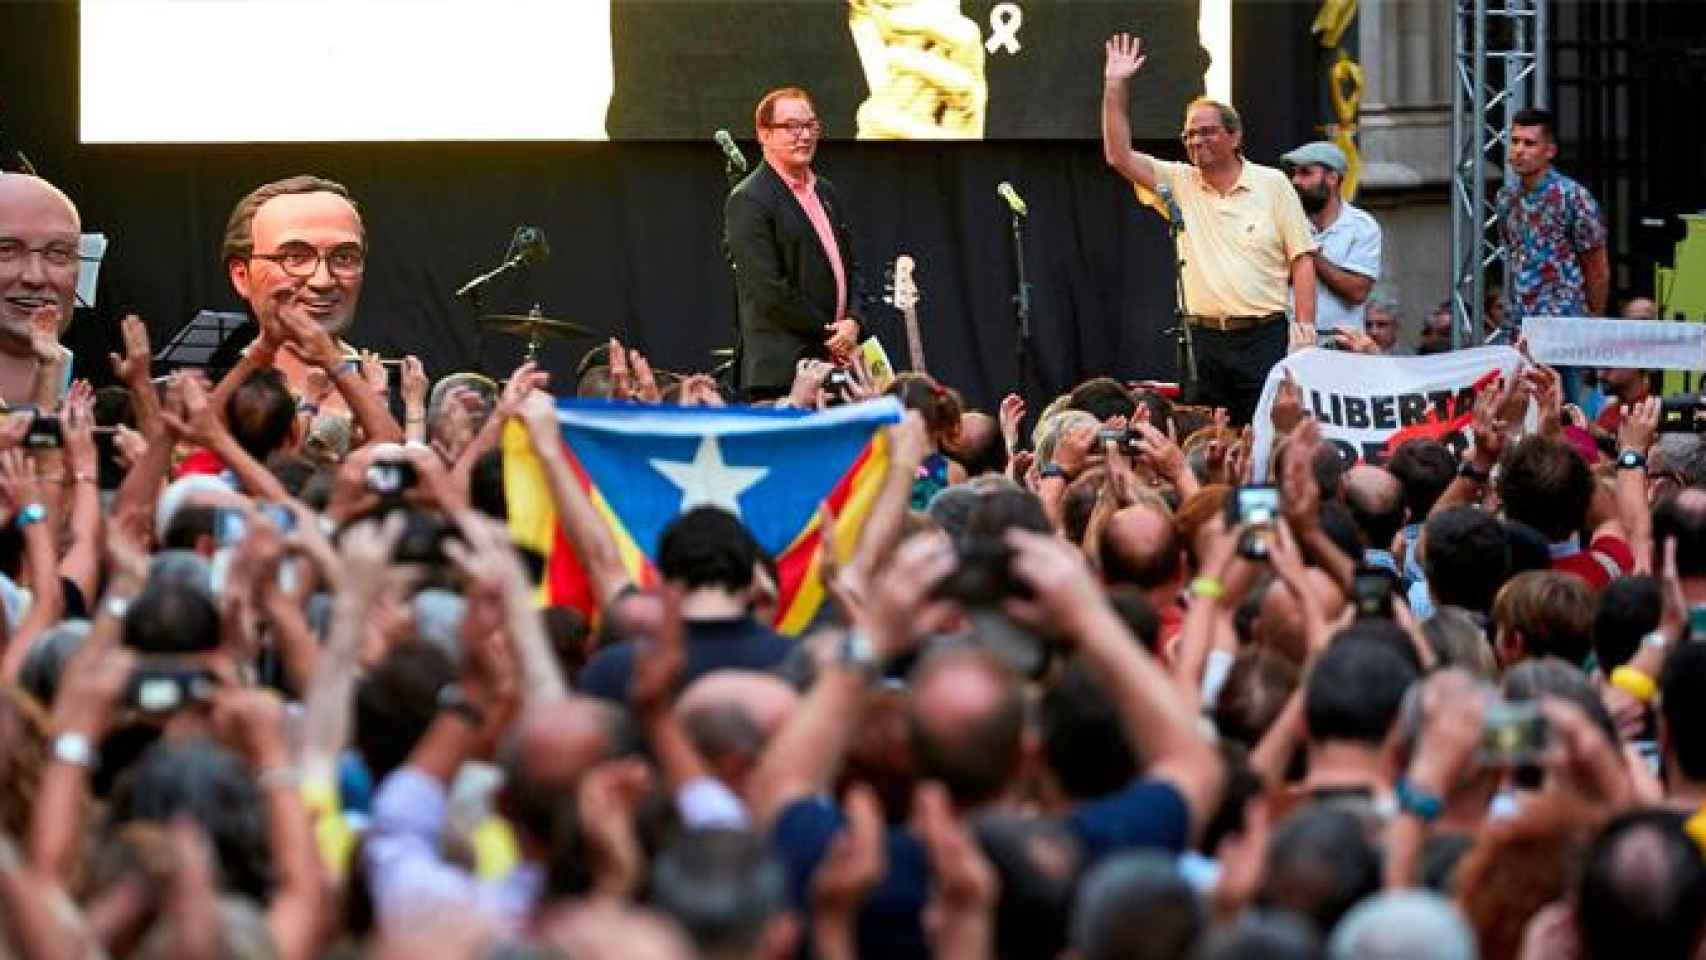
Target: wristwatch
x: 74, y: 749
x: 116, y: 607
x: 857, y: 651
x: 1052, y: 470
x: 31, y: 513
x: 1467, y: 470
x: 1631, y: 460
x: 452, y: 699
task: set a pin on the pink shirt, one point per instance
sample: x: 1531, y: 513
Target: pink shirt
x: 808, y: 200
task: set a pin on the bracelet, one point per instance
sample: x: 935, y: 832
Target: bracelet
x: 84, y: 478
x: 1208, y: 588
x: 1418, y: 803
x: 1634, y: 683
x: 309, y: 407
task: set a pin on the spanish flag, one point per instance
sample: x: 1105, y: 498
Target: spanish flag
x: 642, y: 466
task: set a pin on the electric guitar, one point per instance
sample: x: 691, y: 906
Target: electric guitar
x: 905, y: 299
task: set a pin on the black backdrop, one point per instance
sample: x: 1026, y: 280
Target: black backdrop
x: 634, y: 227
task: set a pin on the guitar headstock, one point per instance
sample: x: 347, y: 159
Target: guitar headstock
x: 905, y: 295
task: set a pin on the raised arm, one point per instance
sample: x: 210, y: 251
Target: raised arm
x: 21, y: 491
x: 1158, y: 722
x: 250, y: 720
x: 908, y: 446
x: 317, y: 348
x: 82, y: 559
x: 1125, y: 57
x: 501, y: 597
x: 590, y: 538
x: 202, y: 424
x: 802, y: 758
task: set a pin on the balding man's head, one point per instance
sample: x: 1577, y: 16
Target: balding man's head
x: 766, y: 698
x: 967, y: 719
x: 1141, y: 547
x: 550, y: 747
x: 39, y: 229
x: 1376, y: 500
x: 730, y: 715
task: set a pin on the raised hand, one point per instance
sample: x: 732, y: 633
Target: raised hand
x: 44, y: 333
x: 621, y: 378
x: 809, y: 376
x: 1012, y: 413
x: 134, y: 368
x: 1640, y: 424
x: 1061, y: 581
x: 20, y: 486
x: 373, y: 372
x: 1125, y: 57
x: 77, y: 422
x: 1492, y: 430
x: 415, y: 383
x: 842, y: 336
x: 200, y: 423
x: 645, y: 382
x: 521, y: 383
x: 1286, y: 412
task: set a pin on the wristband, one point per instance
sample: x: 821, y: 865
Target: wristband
x: 1634, y: 683
x: 31, y: 514
x: 1418, y: 803
x: 1467, y: 470
x: 309, y: 407
x: 74, y: 749
x: 1208, y: 588
x: 1052, y: 471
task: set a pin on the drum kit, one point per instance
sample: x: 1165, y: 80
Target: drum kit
x: 535, y: 326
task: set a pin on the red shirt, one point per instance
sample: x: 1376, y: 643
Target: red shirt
x: 1605, y: 559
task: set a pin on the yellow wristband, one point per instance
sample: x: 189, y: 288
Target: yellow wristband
x: 1208, y: 588
x: 1634, y: 683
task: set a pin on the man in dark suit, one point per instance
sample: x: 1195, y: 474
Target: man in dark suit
x: 792, y: 252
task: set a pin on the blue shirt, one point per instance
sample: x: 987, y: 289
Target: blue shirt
x: 739, y: 643
x: 1146, y: 814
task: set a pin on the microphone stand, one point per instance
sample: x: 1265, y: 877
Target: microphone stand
x: 1184, y: 350
x: 732, y: 176
x: 1021, y: 299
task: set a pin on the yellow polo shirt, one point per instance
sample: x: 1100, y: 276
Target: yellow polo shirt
x: 1238, y: 246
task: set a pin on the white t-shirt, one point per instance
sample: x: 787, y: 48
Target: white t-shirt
x: 1352, y: 242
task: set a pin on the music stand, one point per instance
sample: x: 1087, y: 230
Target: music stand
x: 204, y: 342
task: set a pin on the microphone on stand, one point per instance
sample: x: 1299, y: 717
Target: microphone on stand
x: 1015, y: 202
x: 731, y: 152
x: 1173, y: 213
x: 527, y: 247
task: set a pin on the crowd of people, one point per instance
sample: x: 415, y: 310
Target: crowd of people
x: 276, y: 680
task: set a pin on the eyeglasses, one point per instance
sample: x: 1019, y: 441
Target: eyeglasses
x: 1200, y: 133
x: 301, y: 260
x: 797, y: 128
x: 60, y: 255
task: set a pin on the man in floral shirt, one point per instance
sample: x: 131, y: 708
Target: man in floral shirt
x: 1552, y: 231
x: 1558, y: 263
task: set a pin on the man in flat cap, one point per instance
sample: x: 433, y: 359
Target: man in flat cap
x: 1347, y: 256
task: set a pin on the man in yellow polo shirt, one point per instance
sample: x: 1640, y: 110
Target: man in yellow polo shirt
x: 1245, y: 244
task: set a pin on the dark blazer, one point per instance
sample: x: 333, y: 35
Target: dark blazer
x: 783, y: 276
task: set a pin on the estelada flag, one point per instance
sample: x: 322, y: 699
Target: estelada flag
x: 643, y: 466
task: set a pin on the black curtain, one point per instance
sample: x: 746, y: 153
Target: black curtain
x: 635, y: 227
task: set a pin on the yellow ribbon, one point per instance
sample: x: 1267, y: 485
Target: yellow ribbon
x: 1344, y: 86
x: 1696, y: 828
x: 1332, y: 20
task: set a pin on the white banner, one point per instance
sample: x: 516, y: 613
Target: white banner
x: 1595, y: 342
x: 1367, y: 406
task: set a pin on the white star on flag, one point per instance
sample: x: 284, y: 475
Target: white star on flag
x: 707, y: 481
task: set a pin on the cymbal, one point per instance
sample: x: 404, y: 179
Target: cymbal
x: 723, y: 353
x: 527, y: 324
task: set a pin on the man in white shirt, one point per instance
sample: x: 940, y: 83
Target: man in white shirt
x: 1347, y: 258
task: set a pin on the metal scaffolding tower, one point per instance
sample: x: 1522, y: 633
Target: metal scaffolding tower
x: 1499, y: 68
